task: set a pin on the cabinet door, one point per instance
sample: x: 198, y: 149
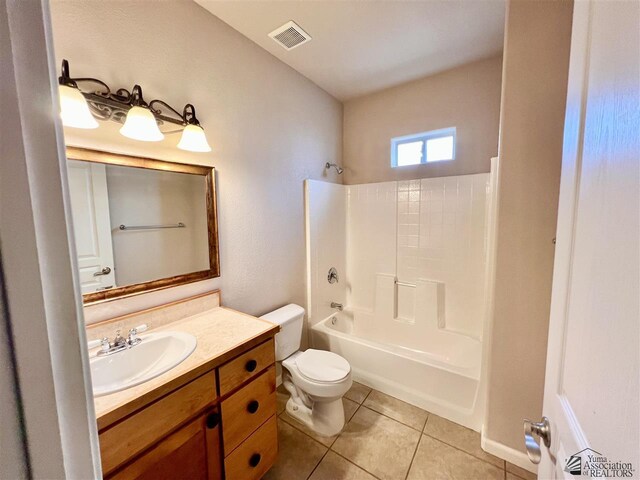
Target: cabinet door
x: 191, y: 452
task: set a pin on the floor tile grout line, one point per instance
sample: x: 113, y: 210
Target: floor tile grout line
x: 425, y: 422
x: 514, y: 474
x: 470, y: 454
x: 391, y: 418
x: 351, y: 461
x: 295, y: 427
x: 414, y: 456
x: 367, y: 395
x: 424, y: 427
x: 422, y: 432
x: 318, y: 464
x: 354, y: 463
x: 298, y: 428
x: 399, y: 421
x: 340, y: 434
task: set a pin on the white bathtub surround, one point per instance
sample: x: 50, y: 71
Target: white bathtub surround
x: 415, y: 287
x: 325, y: 223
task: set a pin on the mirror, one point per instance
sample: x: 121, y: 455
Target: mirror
x: 140, y: 224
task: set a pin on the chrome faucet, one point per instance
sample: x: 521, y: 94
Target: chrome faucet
x: 337, y: 306
x: 119, y: 342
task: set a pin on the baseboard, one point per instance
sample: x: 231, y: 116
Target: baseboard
x: 507, y: 453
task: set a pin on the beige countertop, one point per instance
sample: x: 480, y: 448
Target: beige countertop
x: 221, y: 334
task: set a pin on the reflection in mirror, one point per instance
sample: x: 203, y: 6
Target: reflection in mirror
x: 135, y: 226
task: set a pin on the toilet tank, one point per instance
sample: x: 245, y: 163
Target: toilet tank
x: 290, y: 318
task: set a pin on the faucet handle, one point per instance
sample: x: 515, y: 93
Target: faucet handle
x: 138, y: 329
x: 141, y: 328
x: 132, y: 339
x: 100, y: 342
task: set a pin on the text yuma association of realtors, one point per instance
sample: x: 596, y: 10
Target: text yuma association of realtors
x: 600, y: 467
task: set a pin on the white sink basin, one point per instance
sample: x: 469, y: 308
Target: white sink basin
x: 156, y: 354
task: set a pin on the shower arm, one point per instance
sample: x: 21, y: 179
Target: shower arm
x: 338, y: 168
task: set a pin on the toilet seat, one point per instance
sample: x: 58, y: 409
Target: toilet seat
x: 322, y: 366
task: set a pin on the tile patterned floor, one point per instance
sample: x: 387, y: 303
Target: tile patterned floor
x: 385, y: 439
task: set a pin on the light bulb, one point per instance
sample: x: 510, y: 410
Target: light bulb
x: 74, y: 109
x: 193, y: 139
x: 141, y: 125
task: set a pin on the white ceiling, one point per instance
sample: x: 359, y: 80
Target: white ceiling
x: 359, y: 47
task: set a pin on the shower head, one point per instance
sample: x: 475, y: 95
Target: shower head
x: 338, y: 169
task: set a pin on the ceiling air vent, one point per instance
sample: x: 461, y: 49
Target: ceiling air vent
x: 290, y: 35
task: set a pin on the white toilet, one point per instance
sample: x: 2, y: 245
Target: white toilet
x: 316, y: 379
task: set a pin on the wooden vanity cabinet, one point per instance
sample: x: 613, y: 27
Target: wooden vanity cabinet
x: 197, y: 432
x: 191, y: 452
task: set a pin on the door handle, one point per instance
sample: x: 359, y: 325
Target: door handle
x: 104, y: 271
x: 541, y: 429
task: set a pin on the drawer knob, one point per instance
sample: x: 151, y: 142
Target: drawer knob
x: 213, y: 420
x: 255, y: 460
x: 253, y: 406
x: 251, y: 365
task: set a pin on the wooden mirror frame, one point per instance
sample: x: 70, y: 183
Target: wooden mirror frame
x: 87, y: 155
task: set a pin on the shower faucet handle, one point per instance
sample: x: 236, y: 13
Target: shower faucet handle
x: 332, y: 276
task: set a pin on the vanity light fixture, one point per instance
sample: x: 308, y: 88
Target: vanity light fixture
x: 193, y: 138
x: 73, y: 107
x: 79, y: 108
x: 140, y: 124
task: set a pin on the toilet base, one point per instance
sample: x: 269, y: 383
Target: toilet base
x: 324, y: 418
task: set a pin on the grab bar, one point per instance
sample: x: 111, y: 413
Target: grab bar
x: 405, y: 284
x: 151, y: 227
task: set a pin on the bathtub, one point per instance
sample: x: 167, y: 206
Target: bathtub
x: 441, y: 375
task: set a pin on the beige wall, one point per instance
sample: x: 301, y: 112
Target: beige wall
x: 536, y: 57
x: 270, y: 128
x: 467, y: 97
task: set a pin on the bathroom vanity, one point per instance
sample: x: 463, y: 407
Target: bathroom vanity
x: 212, y: 416
x: 189, y: 392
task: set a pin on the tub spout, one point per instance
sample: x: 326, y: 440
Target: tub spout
x: 337, y: 306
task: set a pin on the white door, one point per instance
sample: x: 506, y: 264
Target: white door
x: 591, y: 396
x: 92, y: 225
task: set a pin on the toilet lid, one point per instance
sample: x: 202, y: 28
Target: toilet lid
x: 322, y: 366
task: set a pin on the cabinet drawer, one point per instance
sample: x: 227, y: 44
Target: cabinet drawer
x: 247, y: 365
x: 247, y: 409
x: 145, y: 427
x: 255, y: 455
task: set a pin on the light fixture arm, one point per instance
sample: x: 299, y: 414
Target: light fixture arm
x: 189, y: 115
x: 136, y: 99
x: 162, y: 109
x: 65, y: 79
x: 106, y: 105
